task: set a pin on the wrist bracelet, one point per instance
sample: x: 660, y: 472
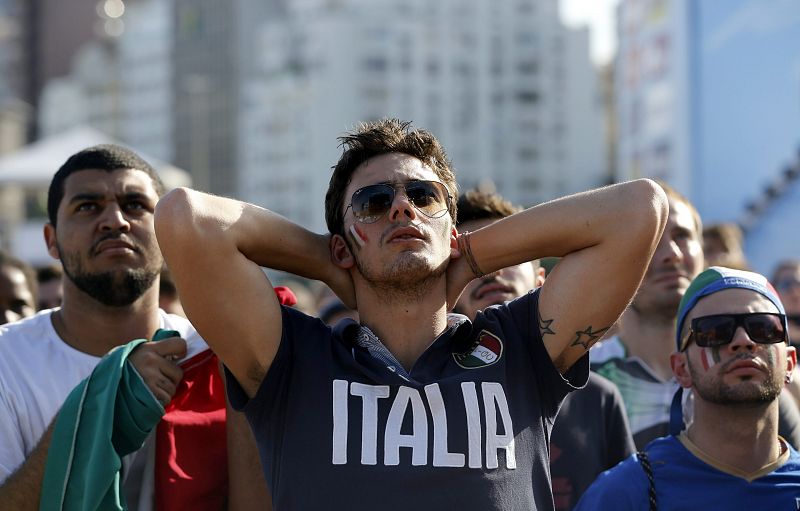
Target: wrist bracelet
x: 466, y: 251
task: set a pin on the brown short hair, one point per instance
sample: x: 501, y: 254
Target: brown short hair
x: 374, y: 139
x: 479, y: 205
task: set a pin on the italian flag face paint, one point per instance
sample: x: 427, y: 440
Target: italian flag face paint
x: 709, y: 357
x: 358, y: 235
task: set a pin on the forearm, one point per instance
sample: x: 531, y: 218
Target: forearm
x: 22, y: 490
x: 187, y: 218
x: 624, y: 217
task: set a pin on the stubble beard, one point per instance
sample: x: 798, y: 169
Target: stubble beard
x: 409, y: 278
x: 117, y: 288
x: 744, y: 393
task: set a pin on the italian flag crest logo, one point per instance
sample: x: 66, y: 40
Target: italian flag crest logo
x: 485, y: 351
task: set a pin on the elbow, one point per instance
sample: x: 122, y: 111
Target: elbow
x: 173, y: 214
x: 651, y: 207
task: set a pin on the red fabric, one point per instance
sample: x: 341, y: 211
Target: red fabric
x: 285, y: 296
x: 191, y: 469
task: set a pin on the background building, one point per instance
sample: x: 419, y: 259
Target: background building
x: 508, y: 90
x: 708, y: 97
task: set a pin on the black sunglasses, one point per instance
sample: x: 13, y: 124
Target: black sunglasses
x: 370, y: 203
x: 719, y: 329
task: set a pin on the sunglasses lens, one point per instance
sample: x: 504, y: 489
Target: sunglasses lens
x: 713, y: 331
x: 764, y: 328
x: 429, y: 197
x: 372, y: 202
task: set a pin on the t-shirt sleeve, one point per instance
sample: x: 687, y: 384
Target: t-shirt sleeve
x: 554, y: 386
x: 12, y: 448
x: 622, y: 488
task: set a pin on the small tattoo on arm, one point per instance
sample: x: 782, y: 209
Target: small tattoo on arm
x: 544, y: 326
x: 587, y: 337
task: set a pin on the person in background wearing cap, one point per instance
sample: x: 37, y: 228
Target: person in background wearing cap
x: 734, y: 353
x: 786, y: 279
x: 636, y: 359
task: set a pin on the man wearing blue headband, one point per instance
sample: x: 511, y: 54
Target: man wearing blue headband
x: 734, y: 354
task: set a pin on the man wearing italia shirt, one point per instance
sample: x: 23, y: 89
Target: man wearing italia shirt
x: 410, y: 408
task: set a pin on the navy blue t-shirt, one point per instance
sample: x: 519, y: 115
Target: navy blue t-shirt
x: 468, y: 426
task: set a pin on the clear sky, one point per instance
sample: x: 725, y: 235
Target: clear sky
x: 599, y: 15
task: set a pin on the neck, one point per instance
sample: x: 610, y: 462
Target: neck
x: 651, y: 339
x: 91, y: 327
x: 742, y: 437
x: 405, y: 325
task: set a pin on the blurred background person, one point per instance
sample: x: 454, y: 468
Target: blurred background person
x: 17, y: 289
x: 168, y: 298
x: 637, y: 358
x: 333, y: 311
x: 51, y: 288
x: 591, y: 432
x: 722, y: 246
x: 786, y: 279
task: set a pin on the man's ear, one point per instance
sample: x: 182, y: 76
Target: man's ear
x: 50, y: 240
x: 791, y: 362
x: 341, y: 255
x: 454, y: 252
x: 680, y: 368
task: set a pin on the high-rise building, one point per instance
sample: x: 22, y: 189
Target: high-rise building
x: 146, y: 76
x: 653, y: 91
x: 259, y: 91
x: 507, y: 89
x: 708, y: 97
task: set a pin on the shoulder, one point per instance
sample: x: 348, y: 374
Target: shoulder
x: 517, y: 315
x: 27, y: 339
x: 792, y: 465
x: 32, y: 327
x: 601, y: 385
x: 622, y: 487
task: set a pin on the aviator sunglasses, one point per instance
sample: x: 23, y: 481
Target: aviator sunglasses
x: 719, y: 329
x: 370, y: 203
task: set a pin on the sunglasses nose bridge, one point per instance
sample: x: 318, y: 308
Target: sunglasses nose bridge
x: 741, y: 339
x: 401, y: 205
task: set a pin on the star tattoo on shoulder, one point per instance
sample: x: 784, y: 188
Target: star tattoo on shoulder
x: 544, y: 326
x: 588, y: 337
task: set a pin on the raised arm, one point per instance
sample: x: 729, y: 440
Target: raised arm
x: 605, y: 237
x: 214, y: 248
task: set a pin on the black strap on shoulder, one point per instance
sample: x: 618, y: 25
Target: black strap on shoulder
x: 644, y: 460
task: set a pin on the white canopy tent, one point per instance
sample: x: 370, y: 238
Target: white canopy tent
x: 35, y: 164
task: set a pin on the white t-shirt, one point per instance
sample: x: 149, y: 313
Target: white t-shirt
x: 38, y: 370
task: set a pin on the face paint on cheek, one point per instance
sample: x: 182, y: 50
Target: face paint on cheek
x: 771, y: 357
x: 359, y: 236
x: 710, y: 357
